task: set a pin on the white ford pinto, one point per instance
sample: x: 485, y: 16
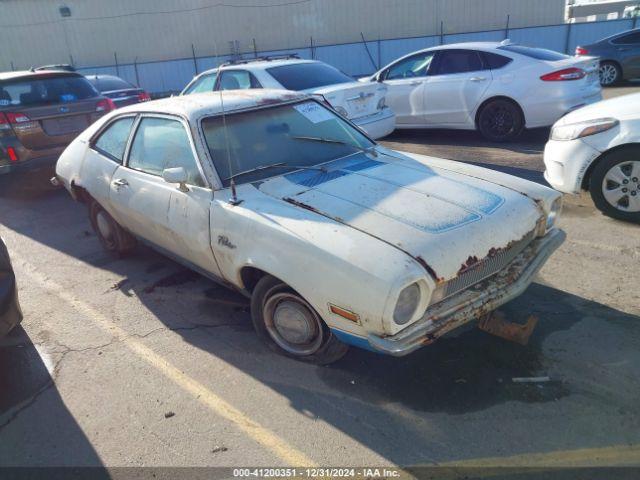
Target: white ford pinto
x: 336, y: 240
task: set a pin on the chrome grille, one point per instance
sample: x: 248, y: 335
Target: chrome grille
x: 487, y: 267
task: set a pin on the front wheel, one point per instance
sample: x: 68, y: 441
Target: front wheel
x: 289, y: 325
x: 610, y: 74
x: 500, y: 120
x: 615, y: 184
x: 112, y: 236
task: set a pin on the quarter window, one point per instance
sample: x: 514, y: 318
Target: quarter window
x: 162, y: 143
x: 414, y: 66
x: 495, y: 61
x: 458, y: 61
x: 203, y: 84
x: 113, y: 140
x: 237, y: 80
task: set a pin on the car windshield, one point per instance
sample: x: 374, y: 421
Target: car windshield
x: 47, y: 90
x: 537, y: 53
x: 296, y: 135
x: 106, y: 84
x: 304, y: 76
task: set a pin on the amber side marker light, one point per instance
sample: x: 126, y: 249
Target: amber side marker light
x: 344, y: 313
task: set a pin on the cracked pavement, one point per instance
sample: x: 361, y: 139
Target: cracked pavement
x: 74, y: 392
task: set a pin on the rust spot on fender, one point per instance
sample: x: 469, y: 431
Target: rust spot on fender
x: 468, y: 264
x: 429, y: 269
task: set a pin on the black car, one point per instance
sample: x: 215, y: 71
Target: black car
x: 118, y: 90
x: 10, y: 313
x: 619, y: 56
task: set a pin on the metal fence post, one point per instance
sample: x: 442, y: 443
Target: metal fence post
x: 255, y: 49
x: 135, y: 68
x: 441, y: 32
x: 313, y: 50
x: 506, y: 30
x: 195, y: 61
x: 115, y: 57
x: 567, y: 42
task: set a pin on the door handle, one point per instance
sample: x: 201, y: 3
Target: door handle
x: 121, y: 182
x: 478, y: 79
x: 415, y: 82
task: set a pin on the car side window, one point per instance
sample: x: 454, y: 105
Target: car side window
x: 494, y: 61
x: 161, y: 143
x: 113, y: 140
x: 629, y: 39
x: 203, y: 84
x: 237, y: 80
x: 458, y: 61
x: 414, y: 66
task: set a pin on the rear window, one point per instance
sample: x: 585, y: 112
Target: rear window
x: 45, y: 91
x: 111, y: 83
x: 303, y: 76
x: 537, y: 53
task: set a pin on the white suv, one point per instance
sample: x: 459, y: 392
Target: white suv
x: 362, y: 103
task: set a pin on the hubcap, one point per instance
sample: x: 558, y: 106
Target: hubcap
x: 292, y: 323
x: 608, y: 74
x: 499, y: 121
x: 621, y: 188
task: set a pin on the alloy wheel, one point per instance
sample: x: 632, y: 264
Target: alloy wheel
x: 608, y: 74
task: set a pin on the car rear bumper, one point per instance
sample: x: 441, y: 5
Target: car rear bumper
x: 379, y: 124
x: 473, y: 302
x: 548, y: 110
x: 32, y: 164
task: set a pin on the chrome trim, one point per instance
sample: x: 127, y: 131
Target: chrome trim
x: 474, y: 302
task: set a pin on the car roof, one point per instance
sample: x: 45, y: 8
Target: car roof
x: 104, y: 76
x: 34, y: 74
x: 199, y: 105
x: 258, y: 64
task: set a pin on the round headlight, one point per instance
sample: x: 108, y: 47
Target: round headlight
x: 408, y: 302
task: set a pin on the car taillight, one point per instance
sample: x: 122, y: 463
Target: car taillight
x: 15, y: 117
x: 581, y: 51
x: 4, y: 122
x: 105, y: 105
x: 144, y: 97
x: 13, y: 156
x: 564, y: 75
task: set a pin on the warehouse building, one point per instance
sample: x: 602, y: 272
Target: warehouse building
x: 98, y: 32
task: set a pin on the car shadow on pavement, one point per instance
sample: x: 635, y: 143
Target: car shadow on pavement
x: 36, y: 427
x: 410, y: 409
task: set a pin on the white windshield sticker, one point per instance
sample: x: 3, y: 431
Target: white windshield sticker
x: 314, y: 112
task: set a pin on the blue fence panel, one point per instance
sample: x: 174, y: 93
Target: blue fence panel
x: 585, y: 33
x: 207, y: 63
x: 167, y: 76
x: 553, y: 38
x: 393, y: 49
x: 495, y: 36
x: 301, y: 52
x: 350, y: 58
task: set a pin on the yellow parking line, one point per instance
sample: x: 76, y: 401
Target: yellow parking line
x: 257, y: 432
x: 616, y: 455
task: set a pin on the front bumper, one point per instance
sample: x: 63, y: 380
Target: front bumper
x: 379, y: 124
x: 28, y: 165
x: 566, y: 163
x: 473, y: 302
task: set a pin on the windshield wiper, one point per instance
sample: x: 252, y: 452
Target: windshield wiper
x: 275, y: 165
x: 337, y: 142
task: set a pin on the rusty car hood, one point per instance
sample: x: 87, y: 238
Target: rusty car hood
x: 440, y: 217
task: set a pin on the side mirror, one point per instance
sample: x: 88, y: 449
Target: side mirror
x: 176, y: 175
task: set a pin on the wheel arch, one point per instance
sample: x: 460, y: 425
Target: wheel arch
x: 586, y: 179
x: 499, y: 97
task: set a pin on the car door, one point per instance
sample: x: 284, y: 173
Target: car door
x: 455, y: 88
x: 105, y: 154
x: 627, y: 51
x: 406, y: 80
x: 173, y: 218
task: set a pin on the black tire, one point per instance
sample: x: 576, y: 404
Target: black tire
x: 600, y: 184
x: 112, y: 236
x: 322, y: 348
x: 610, y: 74
x: 500, y: 120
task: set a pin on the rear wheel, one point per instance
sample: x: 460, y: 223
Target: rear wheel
x: 500, y: 120
x: 291, y: 326
x: 610, y: 74
x: 113, y: 237
x: 615, y: 184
